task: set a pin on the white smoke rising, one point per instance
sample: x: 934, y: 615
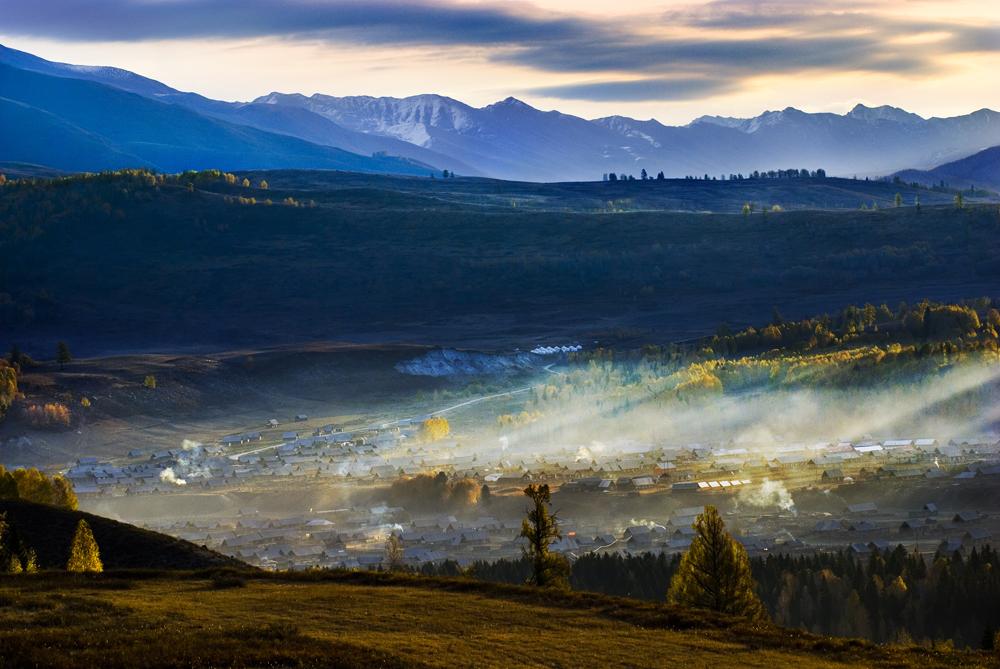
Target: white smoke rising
x: 168, y: 476
x: 191, y: 462
x: 768, y: 494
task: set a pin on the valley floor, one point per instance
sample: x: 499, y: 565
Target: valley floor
x: 349, y: 620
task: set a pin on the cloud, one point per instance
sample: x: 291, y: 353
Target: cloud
x: 700, y: 49
x: 363, y: 21
x: 738, y: 56
x: 638, y: 90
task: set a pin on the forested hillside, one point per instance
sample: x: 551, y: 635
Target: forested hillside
x: 209, y: 258
x: 890, y: 596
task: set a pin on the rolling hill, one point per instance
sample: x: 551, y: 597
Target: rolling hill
x: 118, y: 263
x: 49, y: 531
x: 980, y: 170
x: 79, y: 125
x: 344, y: 619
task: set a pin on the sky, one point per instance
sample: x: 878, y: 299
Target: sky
x: 665, y: 59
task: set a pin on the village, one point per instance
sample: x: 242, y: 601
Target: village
x: 630, y: 497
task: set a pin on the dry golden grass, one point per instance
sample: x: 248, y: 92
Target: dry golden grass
x: 345, y: 620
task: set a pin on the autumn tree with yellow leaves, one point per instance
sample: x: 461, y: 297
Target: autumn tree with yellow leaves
x: 84, y: 555
x: 434, y: 428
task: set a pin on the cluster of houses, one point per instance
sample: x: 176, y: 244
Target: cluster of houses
x: 690, y: 474
x: 863, y: 527
x: 391, y: 452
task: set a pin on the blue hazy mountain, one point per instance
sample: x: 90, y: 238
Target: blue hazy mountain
x: 512, y: 140
x: 508, y: 139
x: 73, y: 124
x: 282, y: 120
x: 981, y: 170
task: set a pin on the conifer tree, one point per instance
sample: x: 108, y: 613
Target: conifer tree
x: 84, y: 554
x: 14, y: 557
x: 63, y: 355
x: 715, y: 572
x: 30, y: 561
x: 549, y: 570
x: 13, y: 565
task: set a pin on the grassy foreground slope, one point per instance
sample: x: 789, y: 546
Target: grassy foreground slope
x: 49, y: 531
x: 372, y: 620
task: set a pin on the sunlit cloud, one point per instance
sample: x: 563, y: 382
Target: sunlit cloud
x: 666, y: 53
x: 638, y: 89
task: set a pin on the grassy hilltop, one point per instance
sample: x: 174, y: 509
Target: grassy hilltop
x: 377, y: 620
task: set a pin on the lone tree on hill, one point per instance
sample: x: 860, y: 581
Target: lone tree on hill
x: 714, y: 573
x: 84, y: 556
x: 549, y: 570
x: 63, y: 356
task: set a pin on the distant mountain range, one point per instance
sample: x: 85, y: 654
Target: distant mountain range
x: 77, y: 119
x: 980, y: 170
x: 110, y: 117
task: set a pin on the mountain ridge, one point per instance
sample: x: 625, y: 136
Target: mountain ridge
x: 82, y: 125
x: 980, y: 170
x: 510, y: 139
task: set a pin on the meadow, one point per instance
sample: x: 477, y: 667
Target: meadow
x: 341, y: 619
